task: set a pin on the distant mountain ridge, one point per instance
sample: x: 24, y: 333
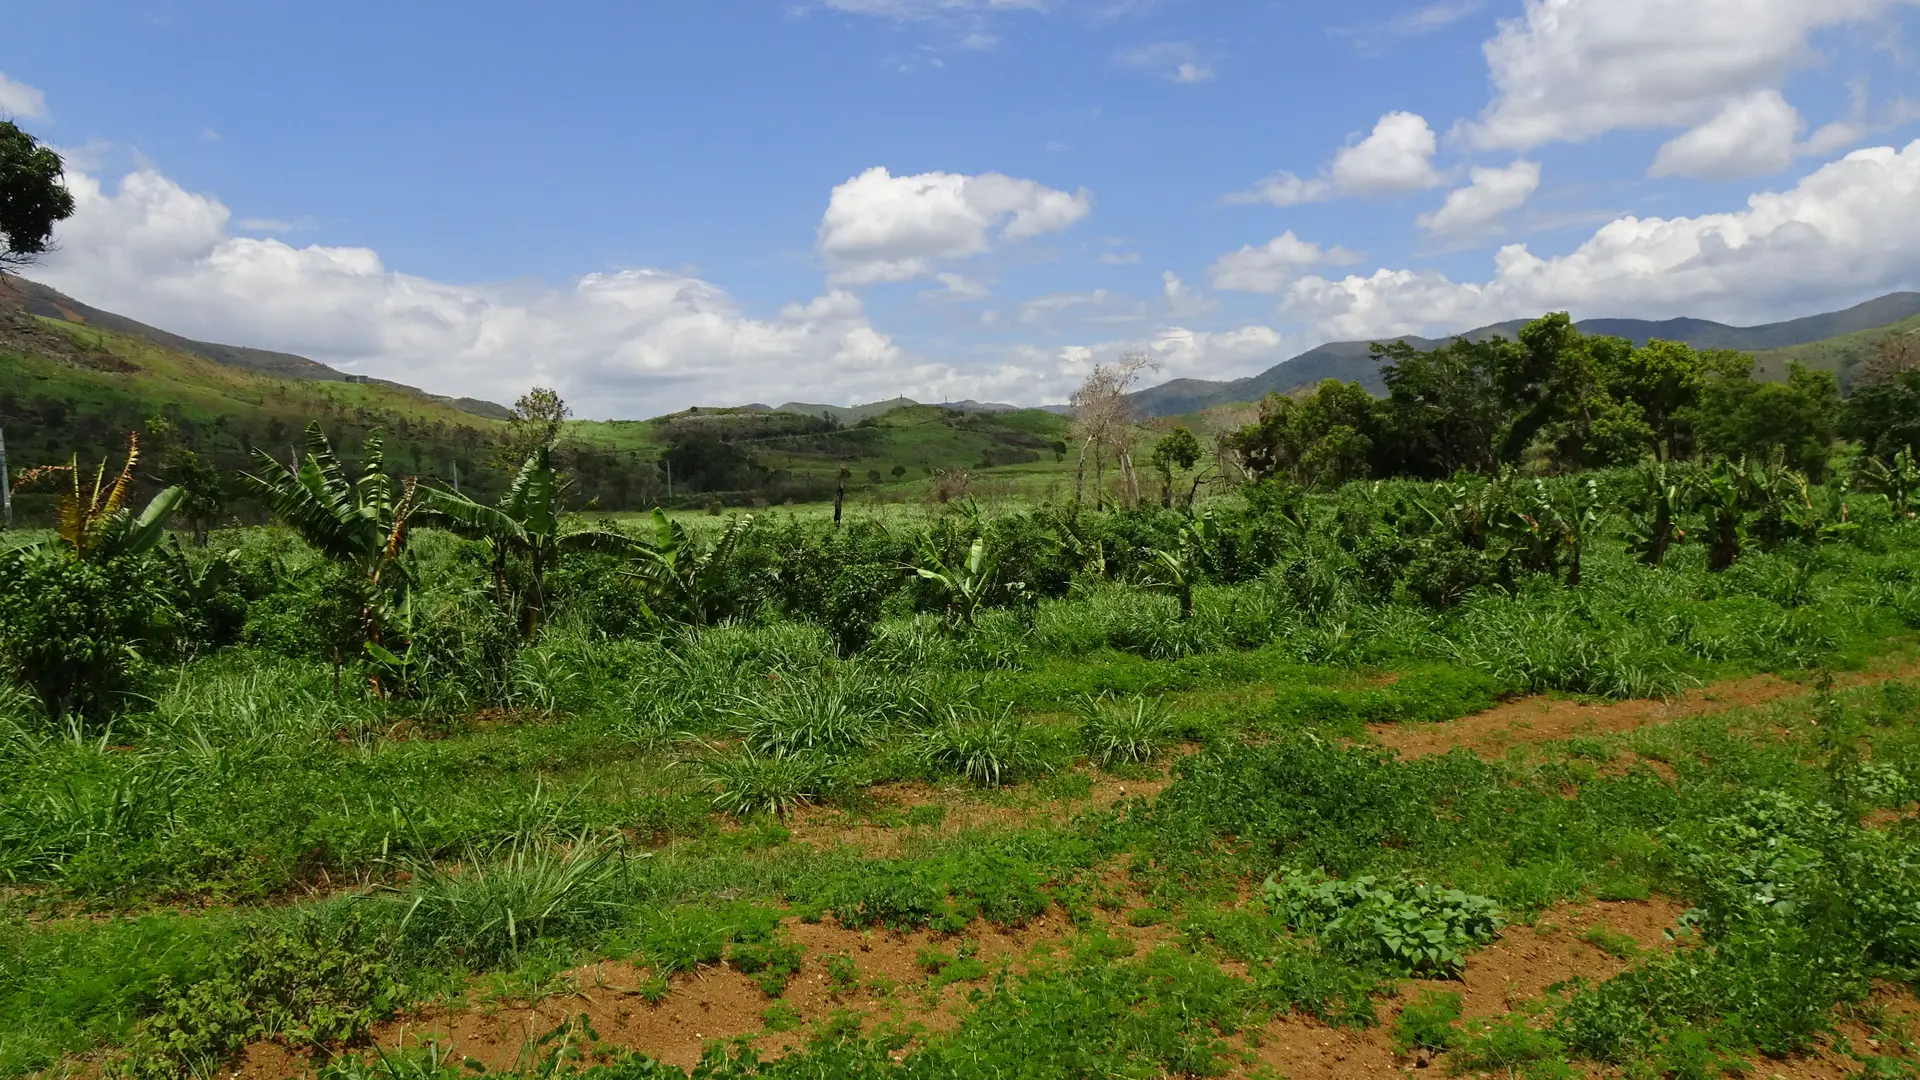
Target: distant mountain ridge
x: 50, y: 303
x: 1349, y: 360
x: 853, y: 414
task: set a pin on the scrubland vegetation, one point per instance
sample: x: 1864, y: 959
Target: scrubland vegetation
x: 406, y: 752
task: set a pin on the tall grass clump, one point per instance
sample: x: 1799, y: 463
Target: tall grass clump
x: 990, y: 750
x: 747, y: 782
x: 810, y: 715
x: 1130, y: 731
x: 498, y: 901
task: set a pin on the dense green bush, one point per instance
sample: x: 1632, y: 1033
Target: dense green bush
x: 311, y: 982
x: 74, y: 630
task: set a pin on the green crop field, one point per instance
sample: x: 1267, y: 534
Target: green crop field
x: 1556, y: 767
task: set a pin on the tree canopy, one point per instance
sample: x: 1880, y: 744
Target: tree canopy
x: 1555, y: 400
x: 33, y: 196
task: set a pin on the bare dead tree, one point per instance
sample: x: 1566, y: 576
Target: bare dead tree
x: 1896, y: 355
x: 1103, y: 424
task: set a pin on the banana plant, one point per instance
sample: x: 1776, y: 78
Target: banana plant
x: 1653, y: 536
x: 1178, y: 568
x: 97, y: 524
x: 685, y: 581
x: 1898, y: 481
x: 1533, y: 530
x: 1723, y: 497
x: 965, y: 585
x: 529, y: 524
x: 363, y: 524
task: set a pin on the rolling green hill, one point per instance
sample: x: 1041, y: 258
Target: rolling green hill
x: 1840, y: 355
x: 20, y: 294
x: 1348, y: 361
x: 70, y: 387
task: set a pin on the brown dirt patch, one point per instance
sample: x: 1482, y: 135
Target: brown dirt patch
x: 715, y: 1003
x: 1520, y: 966
x: 1541, y: 719
x: 1532, y: 720
x: 719, y: 1004
x: 1886, y: 816
x: 883, y: 827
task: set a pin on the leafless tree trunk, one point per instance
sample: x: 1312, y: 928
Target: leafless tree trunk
x: 1103, y: 422
x: 1080, y: 472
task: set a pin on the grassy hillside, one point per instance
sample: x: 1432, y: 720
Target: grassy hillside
x: 68, y: 388
x: 754, y: 455
x: 21, y: 294
x: 1839, y: 355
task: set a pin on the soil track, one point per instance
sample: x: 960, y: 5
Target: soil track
x: 718, y: 1003
x: 1539, y: 719
x: 1518, y: 967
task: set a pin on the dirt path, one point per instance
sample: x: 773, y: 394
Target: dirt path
x: 1518, y: 967
x: 888, y: 826
x: 717, y: 1003
x: 1533, y: 720
x: 1594, y: 940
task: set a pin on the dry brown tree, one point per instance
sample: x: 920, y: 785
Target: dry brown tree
x: 1103, y: 425
x: 1894, y: 356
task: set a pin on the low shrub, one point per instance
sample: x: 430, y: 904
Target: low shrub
x: 310, y: 983
x: 1413, y: 927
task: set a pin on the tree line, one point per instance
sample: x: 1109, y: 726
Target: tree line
x: 1553, y: 400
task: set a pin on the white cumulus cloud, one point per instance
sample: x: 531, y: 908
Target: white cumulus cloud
x: 18, y: 100
x: 1274, y: 265
x: 1568, y: 70
x: 881, y: 227
x: 1850, y: 228
x: 628, y: 343
x: 1489, y: 193
x: 1749, y: 136
x: 1183, y: 300
x: 1397, y: 156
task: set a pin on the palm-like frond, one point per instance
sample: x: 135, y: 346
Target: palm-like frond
x: 139, y: 535
x: 474, y: 520
x: 534, y: 496
x: 306, y: 502
x: 599, y: 541
x: 97, y: 522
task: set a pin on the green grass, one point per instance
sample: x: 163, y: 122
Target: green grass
x: 622, y: 789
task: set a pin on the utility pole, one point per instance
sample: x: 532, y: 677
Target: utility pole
x: 456, y: 476
x: 669, y: 464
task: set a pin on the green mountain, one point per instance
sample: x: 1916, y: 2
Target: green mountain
x: 1840, y: 354
x: 853, y: 414
x: 77, y: 381
x: 1348, y: 360
x: 20, y: 294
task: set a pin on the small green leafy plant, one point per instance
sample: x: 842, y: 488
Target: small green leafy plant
x: 1414, y: 927
x: 1431, y: 1023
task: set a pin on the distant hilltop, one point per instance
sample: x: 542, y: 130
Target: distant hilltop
x: 853, y: 414
x: 1349, y: 361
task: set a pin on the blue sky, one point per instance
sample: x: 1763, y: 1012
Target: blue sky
x: 653, y: 205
